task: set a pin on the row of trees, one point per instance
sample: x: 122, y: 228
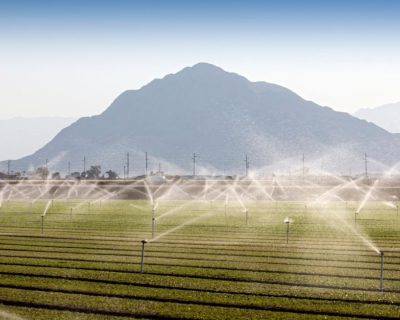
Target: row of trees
x: 43, y: 172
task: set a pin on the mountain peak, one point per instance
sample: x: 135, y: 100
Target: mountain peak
x: 205, y: 69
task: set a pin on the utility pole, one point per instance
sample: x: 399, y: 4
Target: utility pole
x: 8, y: 168
x: 69, y: 168
x: 247, y: 165
x: 84, y: 164
x: 366, y: 164
x: 124, y: 172
x: 147, y: 163
x: 127, y: 165
x: 194, y: 164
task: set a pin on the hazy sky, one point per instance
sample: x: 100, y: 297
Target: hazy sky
x: 72, y: 58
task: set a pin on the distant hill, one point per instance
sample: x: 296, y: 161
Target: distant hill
x: 22, y: 136
x: 386, y: 116
x: 221, y: 116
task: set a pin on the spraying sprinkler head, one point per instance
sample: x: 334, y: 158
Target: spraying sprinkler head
x: 144, y: 241
x: 287, y: 221
x: 355, y: 216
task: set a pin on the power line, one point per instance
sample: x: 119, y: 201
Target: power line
x: 194, y: 164
x: 147, y: 163
x: 247, y: 163
x: 127, y: 165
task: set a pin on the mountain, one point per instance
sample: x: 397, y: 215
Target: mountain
x: 221, y: 116
x: 386, y: 116
x: 22, y: 136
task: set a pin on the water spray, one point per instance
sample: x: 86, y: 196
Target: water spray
x: 381, y: 277
x: 142, y: 257
x: 44, y: 214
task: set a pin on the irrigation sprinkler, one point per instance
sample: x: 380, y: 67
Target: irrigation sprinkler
x: 70, y: 213
x: 153, y: 226
x: 88, y: 207
x: 153, y: 221
x: 247, y: 215
x: 142, y: 257
x: 287, y: 221
x: 355, y: 217
x: 42, y: 223
x: 381, y: 278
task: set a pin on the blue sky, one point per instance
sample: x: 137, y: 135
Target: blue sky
x: 73, y: 58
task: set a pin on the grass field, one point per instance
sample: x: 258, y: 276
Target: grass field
x: 205, y: 262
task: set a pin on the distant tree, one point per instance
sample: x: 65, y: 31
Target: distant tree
x: 75, y: 175
x: 41, y: 173
x: 112, y: 175
x: 93, y: 173
x: 56, y: 176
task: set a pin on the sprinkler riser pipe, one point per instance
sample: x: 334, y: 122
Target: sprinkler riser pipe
x: 382, y: 265
x: 287, y: 233
x: 142, y: 258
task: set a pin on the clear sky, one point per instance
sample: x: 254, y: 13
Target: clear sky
x: 72, y: 58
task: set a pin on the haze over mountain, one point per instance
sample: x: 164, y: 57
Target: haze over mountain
x: 386, y: 116
x: 221, y: 116
x: 22, y: 136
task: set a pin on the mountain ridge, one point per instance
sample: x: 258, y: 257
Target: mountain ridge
x: 386, y: 116
x: 222, y: 116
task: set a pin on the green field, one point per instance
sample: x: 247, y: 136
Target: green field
x: 206, y: 262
